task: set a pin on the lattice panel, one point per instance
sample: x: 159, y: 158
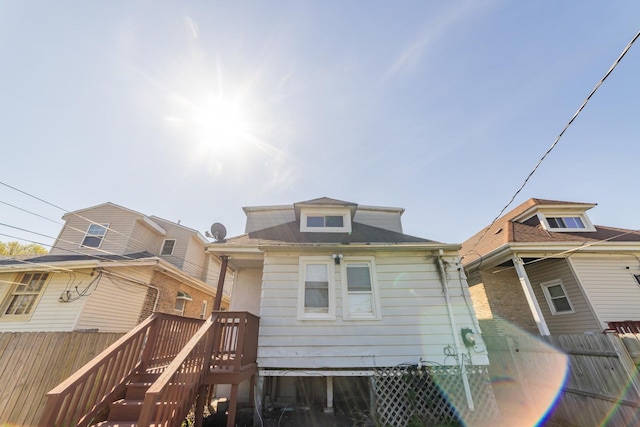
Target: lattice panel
x: 412, y: 396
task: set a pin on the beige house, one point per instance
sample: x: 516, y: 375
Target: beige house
x: 344, y: 295
x: 547, y: 269
x: 109, y: 269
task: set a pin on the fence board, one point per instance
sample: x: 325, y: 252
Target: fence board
x: 32, y: 363
x: 601, y: 387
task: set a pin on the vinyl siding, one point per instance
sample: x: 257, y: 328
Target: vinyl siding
x: 414, y: 317
x: 194, y: 258
x: 116, y: 240
x: 385, y: 220
x: 143, y: 238
x: 578, y: 322
x: 609, y: 283
x: 114, y: 305
x: 259, y: 220
x: 49, y: 314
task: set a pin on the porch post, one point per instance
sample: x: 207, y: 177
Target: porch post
x: 329, y: 408
x: 531, y: 297
x: 223, y: 274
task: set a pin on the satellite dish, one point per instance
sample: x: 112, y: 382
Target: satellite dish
x: 218, y: 231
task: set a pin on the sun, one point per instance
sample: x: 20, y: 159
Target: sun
x: 220, y: 122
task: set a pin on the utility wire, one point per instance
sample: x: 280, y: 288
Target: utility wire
x: 84, y: 218
x: 600, y: 82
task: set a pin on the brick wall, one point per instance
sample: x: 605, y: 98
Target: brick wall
x: 498, y: 298
x: 169, y: 288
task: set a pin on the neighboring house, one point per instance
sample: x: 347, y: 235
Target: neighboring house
x: 343, y: 295
x: 108, y: 270
x: 547, y: 269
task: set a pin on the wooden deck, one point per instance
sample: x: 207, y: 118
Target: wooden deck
x: 187, y: 357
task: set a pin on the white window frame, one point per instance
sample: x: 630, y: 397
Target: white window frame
x: 203, y: 309
x: 88, y: 234
x: 375, y: 301
x: 164, y: 242
x: 15, y: 293
x: 305, y: 313
x: 585, y: 222
x: 344, y: 213
x: 182, y: 298
x: 545, y: 289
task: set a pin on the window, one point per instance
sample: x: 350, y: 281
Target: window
x: 167, y: 247
x: 557, y: 297
x: 25, y: 294
x: 325, y: 221
x: 316, y: 298
x: 359, y: 289
x: 94, y: 236
x: 330, y: 220
x: 572, y: 222
x: 203, y: 310
x: 181, y: 302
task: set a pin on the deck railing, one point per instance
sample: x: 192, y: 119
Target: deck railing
x: 624, y: 327
x: 79, y: 399
x: 169, y: 399
x: 235, y: 341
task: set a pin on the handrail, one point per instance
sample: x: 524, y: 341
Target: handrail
x: 624, y: 327
x: 171, y: 396
x: 84, y: 395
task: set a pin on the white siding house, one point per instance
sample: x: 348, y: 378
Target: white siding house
x: 342, y: 293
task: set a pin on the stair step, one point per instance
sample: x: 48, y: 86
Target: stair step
x: 125, y: 409
x: 136, y: 391
x: 145, y: 378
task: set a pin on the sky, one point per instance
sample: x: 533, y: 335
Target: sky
x: 191, y: 110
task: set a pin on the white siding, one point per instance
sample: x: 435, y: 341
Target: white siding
x: 258, y: 220
x: 116, y: 240
x: 610, y: 286
x: 143, y: 238
x: 582, y: 319
x: 246, y: 291
x: 194, y: 258
x: 386, y: 220
x: 115, y: 304
x: 414, y: 323
x: 49, y: 314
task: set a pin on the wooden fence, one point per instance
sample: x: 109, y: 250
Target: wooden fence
x: 32, y: 363
x: 591, y: 379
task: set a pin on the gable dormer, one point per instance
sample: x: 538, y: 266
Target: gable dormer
x: 325, y: 215
x: 557, y: 216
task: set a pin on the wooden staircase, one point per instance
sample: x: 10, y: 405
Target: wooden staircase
x: 126, y: 411
x: 153, y: 375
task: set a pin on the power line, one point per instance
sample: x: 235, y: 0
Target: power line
x: 86, y: 219
x: 600, y: 82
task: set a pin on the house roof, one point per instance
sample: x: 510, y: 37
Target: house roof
x: 42, y: 259
x: 505, y: 230
x: 290, y: 233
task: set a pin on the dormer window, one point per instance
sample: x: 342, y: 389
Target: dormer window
x: 565, y: 222
x: 328, y: 220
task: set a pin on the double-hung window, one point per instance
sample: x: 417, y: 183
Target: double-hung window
x: 359, y: 289
x: 316, y: 299
x: 94, y: 236
x: 557, y: 297
x: 167, y: 247
x: 25, y: 295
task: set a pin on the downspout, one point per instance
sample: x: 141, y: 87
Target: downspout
x: 454, y: 329
x: 223, y: 273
